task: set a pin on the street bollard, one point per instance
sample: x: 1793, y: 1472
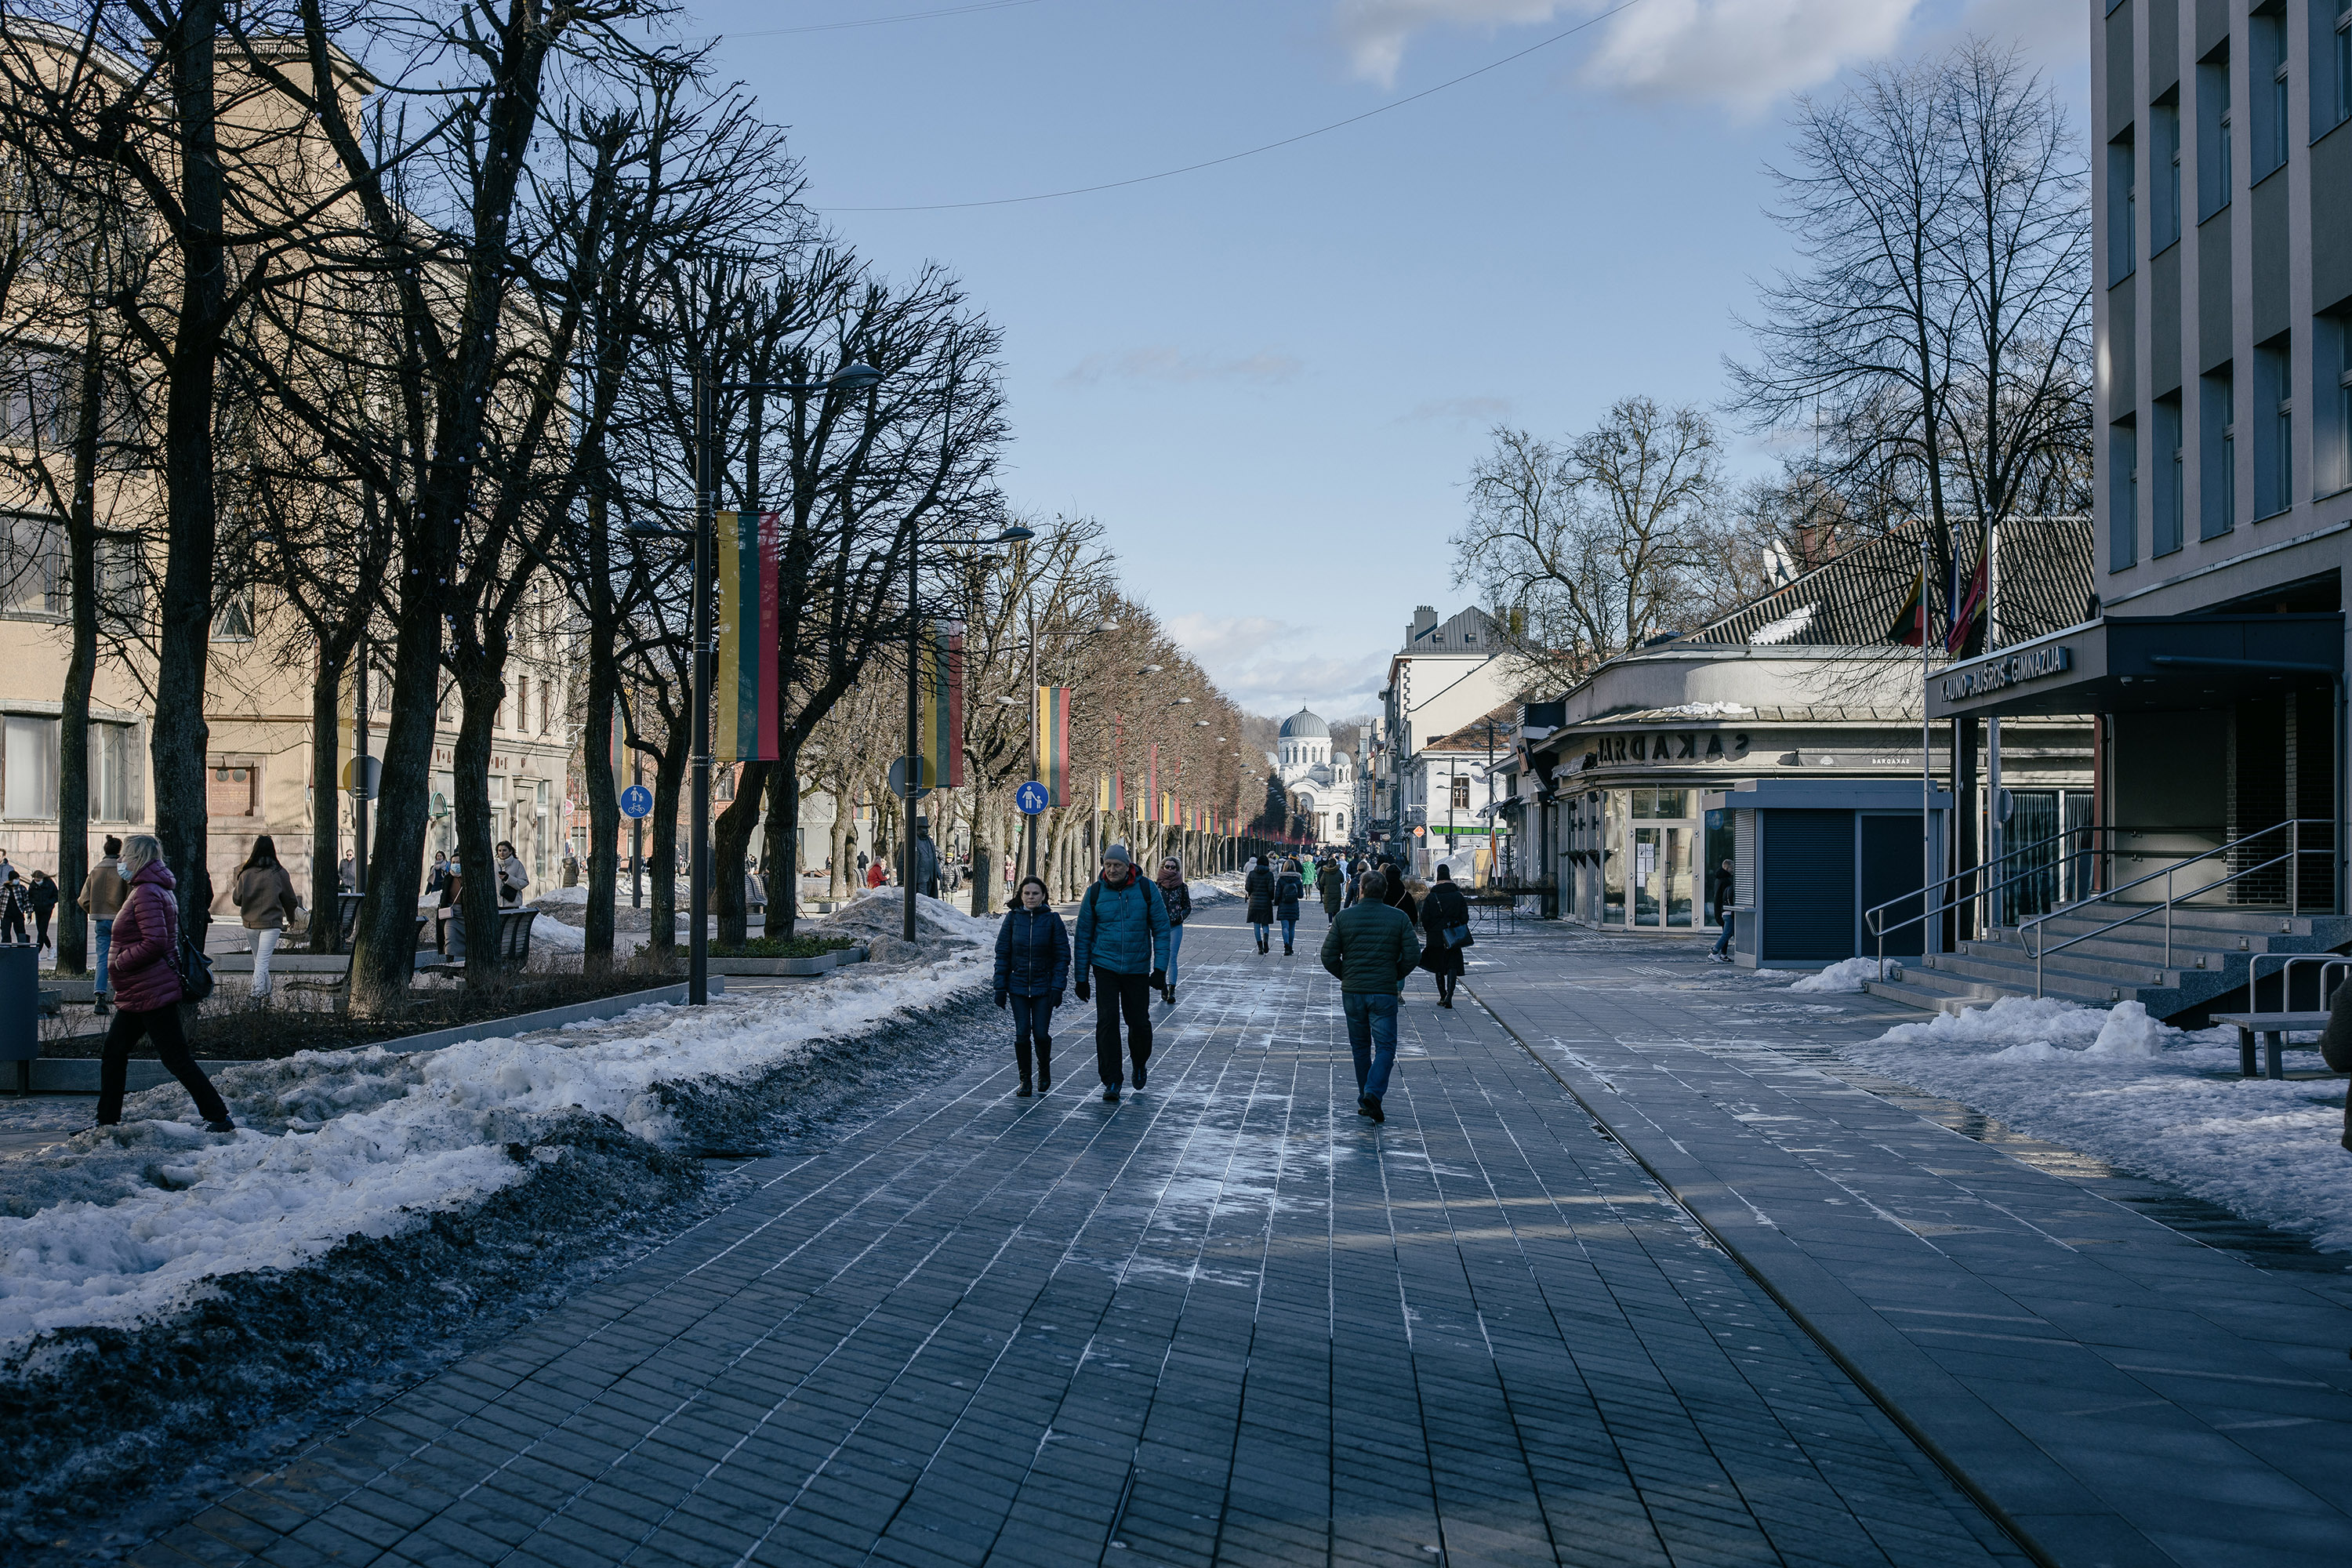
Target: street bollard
x: 20, y: 1010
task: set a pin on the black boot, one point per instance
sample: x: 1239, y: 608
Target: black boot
x: 1285, y: 950
x: 1044, y: 1067
x: 1023, y: 1092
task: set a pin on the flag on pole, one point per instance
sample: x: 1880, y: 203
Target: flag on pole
x: 1909, y: 627
x: 942, y: 711
x: 1102, y: 792
x: 749, y: 630
x: 1054, y: 743
x: 1962, y: 640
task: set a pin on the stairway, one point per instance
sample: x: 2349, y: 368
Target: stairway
x: 2211, y: 947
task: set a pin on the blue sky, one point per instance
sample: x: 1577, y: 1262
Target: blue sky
x: 1269, y: 377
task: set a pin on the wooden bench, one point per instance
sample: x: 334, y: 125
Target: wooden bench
x: 2273, y: 1029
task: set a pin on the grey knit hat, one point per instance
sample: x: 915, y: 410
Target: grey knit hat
x: 1116, y: 853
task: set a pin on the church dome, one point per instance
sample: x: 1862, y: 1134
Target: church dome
x: 1304, y: 726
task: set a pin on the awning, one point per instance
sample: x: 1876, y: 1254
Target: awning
x: 2131, y: 663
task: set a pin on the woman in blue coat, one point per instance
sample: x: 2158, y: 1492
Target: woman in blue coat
x: 1033, y: 966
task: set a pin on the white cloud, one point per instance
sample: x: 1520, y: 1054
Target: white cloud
x: 1273, y: 667
x: 1264, y: 368
x: 1746, y: 55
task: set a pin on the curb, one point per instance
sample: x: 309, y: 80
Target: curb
x: 78, y: 1075
x: 2007, y: 1524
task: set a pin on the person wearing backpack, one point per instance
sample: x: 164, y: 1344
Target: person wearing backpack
x: 1445, y: 917
x: 146, y: 965
x: 1032, y: 965
x: 1122, y: 947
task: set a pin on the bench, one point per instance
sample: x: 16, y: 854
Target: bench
x: 2273, y: 1028
x: 514, y: 940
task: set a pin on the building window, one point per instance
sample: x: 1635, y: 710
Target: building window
x: 2123, y: 207
x: 2274, y: 413
x: 2217, y: 414
x: 2266, y: 81
x: 29, y: 767
x: 2331, y: 65
x: 2123, y: 495
x: 117, y: 784
x: 2164, y: 217
x: 2165, y: 454
x: 523, y: 702
x: 2214, y: 177
x: 233, y: 618
x: 545, y: 706
x: 32, y: 567
x: 36, y: 401
x: 2331, y: 404
x: 233, y: 789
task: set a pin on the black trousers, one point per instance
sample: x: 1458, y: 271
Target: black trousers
x: 1114, y: 995
x: 162, y: 1024
x: 1032, y: 1019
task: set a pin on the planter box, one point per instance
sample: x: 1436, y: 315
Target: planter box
x: 78, y: 1075
x: 807, y: 968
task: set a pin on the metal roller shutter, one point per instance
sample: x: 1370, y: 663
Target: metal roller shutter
x: 1808, y: 886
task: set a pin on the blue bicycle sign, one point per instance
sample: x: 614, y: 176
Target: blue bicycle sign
x: 636, y: 801
x: 1030, y: 797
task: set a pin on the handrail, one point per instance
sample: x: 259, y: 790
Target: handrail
x: 2293, y: 860
x: 1870, y: 917
x: 2325, y: 961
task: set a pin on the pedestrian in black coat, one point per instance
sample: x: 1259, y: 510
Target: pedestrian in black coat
x: 1259, y: 886
x: 1032, y: 969
x: 1443, y: 910
x: 42, y: 896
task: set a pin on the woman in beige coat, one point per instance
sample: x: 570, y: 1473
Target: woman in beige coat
x: 265, y: 901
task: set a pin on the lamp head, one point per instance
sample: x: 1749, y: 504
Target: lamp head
x: 1107, y: 626
x: 855, y: 377
x: 1151, y: 669
x: 1016, y: 534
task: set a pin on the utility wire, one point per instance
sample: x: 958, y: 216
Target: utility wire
x: 1253, y: 152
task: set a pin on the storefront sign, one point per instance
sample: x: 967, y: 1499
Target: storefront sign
x: 1695, y: 745
x: 1993, y: 674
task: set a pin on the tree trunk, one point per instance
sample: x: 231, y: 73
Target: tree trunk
x: 384, y: 939
x: 837, y: 881
x: 730, y: 839
x: 670, y: 784
x: 81, y: 667
x: 603, y: 790
x: 785, y: 824
x: 478, y: 715
x: 326, y: 816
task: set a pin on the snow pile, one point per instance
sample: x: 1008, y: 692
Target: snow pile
x: 559, y: 895
x: 1844, y: 976
x: 118, y: 1224
x: 1209, y: 890
x: 882, y: 912
x: 2122, y: 1087
x: 1704, y: 709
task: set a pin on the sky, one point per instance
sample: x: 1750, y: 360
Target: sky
x: 1269, y: 377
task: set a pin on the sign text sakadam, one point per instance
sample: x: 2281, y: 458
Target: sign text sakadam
x: 2032, y: 664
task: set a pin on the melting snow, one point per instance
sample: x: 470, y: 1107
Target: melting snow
x: 1845, y: 975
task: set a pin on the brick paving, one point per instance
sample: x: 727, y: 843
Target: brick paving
x: 1227, y: 1321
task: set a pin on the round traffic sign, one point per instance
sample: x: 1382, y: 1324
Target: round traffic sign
x: 921, y: 773
x: 1030, y: 797
x: 636, y: 801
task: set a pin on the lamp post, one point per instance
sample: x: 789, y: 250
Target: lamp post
x: 854, y: 377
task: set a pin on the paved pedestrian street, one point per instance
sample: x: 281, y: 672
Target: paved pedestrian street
x: 1229, y: 1321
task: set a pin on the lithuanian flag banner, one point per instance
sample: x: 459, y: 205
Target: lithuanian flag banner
x: 749, y: 548
x: 1102, y: 792
x: 1054, y: 743
x: 941, y: 681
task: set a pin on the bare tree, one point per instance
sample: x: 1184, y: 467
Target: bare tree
x: 1589, y: 546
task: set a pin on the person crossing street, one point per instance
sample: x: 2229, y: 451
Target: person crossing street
x: 1121, y: 948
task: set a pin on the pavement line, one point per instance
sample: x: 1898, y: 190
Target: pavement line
x: 2009, y: 1526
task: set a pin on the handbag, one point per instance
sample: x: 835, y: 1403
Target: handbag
x: 194, y: 969
x: 1458, y: 936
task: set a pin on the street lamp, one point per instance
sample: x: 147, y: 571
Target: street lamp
x: 855, y: 377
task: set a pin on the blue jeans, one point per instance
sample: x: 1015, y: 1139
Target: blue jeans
x: 1175, y: 946
x: 105, y: 940
x: 1724, y: 942
x: 1289, y: 932
x: 1261, y: 931
x: 1371, y: 1035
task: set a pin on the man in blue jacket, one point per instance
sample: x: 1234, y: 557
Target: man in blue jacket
x: 1121, y: 946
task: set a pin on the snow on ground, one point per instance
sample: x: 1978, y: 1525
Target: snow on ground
x: 2117, y: 1085
x: 117, y: 1225
x: 1845, y: 975
x: 1209, y: 890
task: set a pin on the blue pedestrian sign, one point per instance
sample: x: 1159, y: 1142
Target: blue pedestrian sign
x: 636, y: 801
x: 1030, y: 797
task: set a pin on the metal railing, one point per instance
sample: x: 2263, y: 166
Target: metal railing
x: 2029, y: 932
x: 2327, y: 960
x: 2037, y: 864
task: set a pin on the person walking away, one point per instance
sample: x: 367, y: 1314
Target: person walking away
x: 1721, y: 884
x: 265, y: 901
x: 1370, y: 948
x: 1259, y: 886
x: 41, y: 895
x: 1179, y: 897
x: 12, y: 901
x: 1121, y: 947
x: 147, y: 986
x: 927, y: 859
x: 102, y: 894
x: 1288, y: 888
x: 1445, y: 921
x: 1331, y: 885
x: 512, y: 877
x: 1033, y: 966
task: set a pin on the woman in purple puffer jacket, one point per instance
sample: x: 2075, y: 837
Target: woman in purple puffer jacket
x: 147, y: 988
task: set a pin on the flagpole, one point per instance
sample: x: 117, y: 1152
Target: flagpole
x: 1926, y: 768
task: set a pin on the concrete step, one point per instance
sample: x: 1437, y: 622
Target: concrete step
x: 2010, y: 967
x: 2005, y: 981
x: 2224, y: 925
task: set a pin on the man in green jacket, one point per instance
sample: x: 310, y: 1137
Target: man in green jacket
x: 1371, y: 948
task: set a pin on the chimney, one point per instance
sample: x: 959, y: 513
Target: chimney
x: 1424, y: 617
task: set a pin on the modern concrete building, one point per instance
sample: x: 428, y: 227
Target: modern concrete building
x: 2213, y: 659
